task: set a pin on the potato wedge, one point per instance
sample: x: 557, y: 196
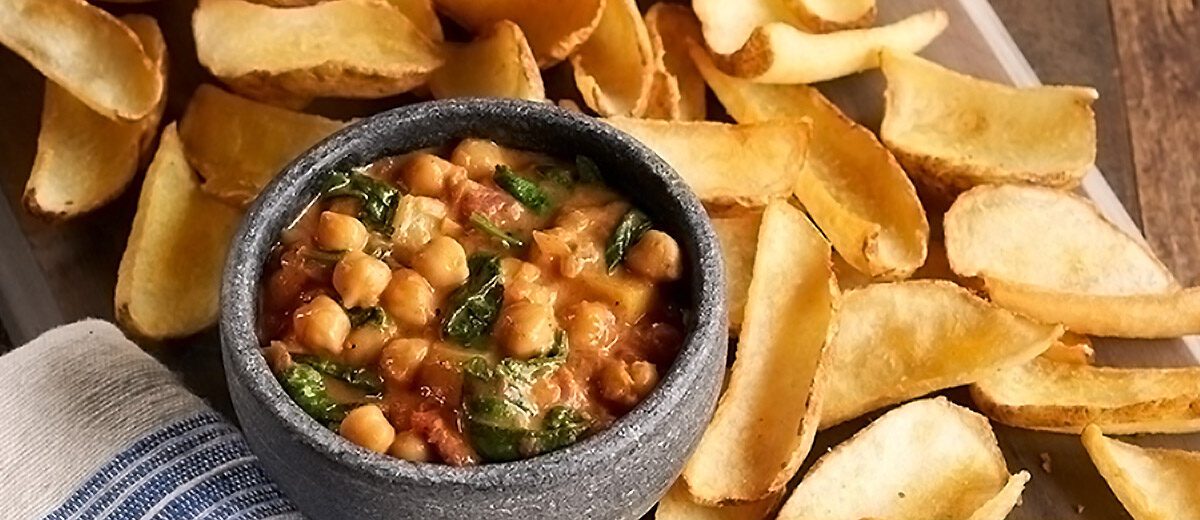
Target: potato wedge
x: 678, y: 504
x: 340, y: 48
x: 953, y: 131
x: 851, y: 184
x: 498, y: 63
x: 682, y: 93
x: 87, y: 52
x: 822, y: 16
x: 739, y: 240
x: 238, y: 145
x: 614, y: 68
x: 999, y: 506
x: 765, y: 422
x: 727, y: 25
x: 780, y: 53
x: 554, y: 29
x: 1165, y: 315
x: 169, y: 281
x: 897, y: 341
x: 84, y: 159
x: 1064, y: 397
x: 728, y: 165
x: 420, y: 12
x: 926, y: 459
x: 1152, y: 483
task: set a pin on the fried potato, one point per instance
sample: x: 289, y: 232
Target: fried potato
x: 824, y: 16
x: 1165, y: 315
x: 420, y: 12
x: 765, y: 422
x: 498, y: 63
x: 87, y: 52
x: 680, y: 90
x: 780, y: 53
x: 999, y: 506
x: 728, y: 165
x: 169, y: 281
x: 679, y: 505
x: 727, y: 25
x: 1064, y: 397
x: 339, y: 48
x: 554, y: 29
x: 897, y: 341
x: 238, y: 145
x: 614, y: 68
x: 851, y: 184
x: 1071, y: 348
x: 954, y: 131
x: 1152, y: 483
x: 739, y: 241
x: 84, y: 159
x: 926, y: 459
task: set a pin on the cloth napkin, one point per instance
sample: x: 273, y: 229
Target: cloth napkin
x: 91, y: 427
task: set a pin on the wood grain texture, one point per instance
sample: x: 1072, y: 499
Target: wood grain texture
x: 1158, y: 42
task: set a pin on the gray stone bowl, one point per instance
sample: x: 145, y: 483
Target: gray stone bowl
x: 618, y: 473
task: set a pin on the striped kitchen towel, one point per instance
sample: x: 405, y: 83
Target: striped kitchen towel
x: 91, y: 427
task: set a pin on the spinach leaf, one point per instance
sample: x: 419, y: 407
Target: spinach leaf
x: 556, y: 174
x: 374, y: 316
x: 586, y: 170
x: 527, y: 192
x: 379, y: 199
x: 363, y: 378
x: 561, y: 427
x: 307, y: 388
x: 486, y: 225
x: 629, y: 230
x: 473, y: 309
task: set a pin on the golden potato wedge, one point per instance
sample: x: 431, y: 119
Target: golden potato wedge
x: 851, y: 184
x: 87, y: 52
x: 727, y: 25
x: 1152, y: 483
x: 765, y: 422
x: 498, y: 63
x: 340, y: 48
x: 1065, y: 397
x: 781, y: 53
x: 822, y: 16
x: 614, y: 68
x: 678, y: 504
x: 1161, y: 315
x: 897, y: 341
x: 680, y: 90
x: 926, y: 459
x: 239, y: 145
x: 169, y: 281
x: 728, y: 165
x: 738, y: 235
x: 953, y: 131
x: 84, y: 159
x: 420, y: 12
x: 554, y: 29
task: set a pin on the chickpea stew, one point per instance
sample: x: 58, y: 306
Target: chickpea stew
x: 469, y: 305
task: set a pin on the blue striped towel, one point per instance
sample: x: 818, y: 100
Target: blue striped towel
x: 91, y: 427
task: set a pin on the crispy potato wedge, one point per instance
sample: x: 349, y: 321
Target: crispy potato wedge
x: 614, y: 68
x: 498, y: 63
x: 765, y: 422
x: 851, y: 184
x: 1071, y: 348
x: 780, y: 53
x: 727, y: 25
x: 1065, y: 397
x: 1166, y: 315
x: 954, y: 131
x: 728, y: 165
x: 926, y: 459
x: 169, y: 281
x: 339, y: 48
x: 238, y: 145
x: 680, y: 90
x: 554, y: 29
x: 84, y: 160
x: 822, y: 16
x: 1152, y: 483
x: 678, y: 504
x: 897, y: 341
x: 739, y: 241
x: 87, y: 52
x: 999, y: 506
x: 420, y: 12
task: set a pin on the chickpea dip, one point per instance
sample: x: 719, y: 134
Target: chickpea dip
x: 469, y: 305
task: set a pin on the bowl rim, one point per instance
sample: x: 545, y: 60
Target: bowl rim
x: 239, y: 302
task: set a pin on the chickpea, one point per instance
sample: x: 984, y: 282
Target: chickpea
x: 401, y: 358
x: 409, y: 298
x: 645, y: 376
x: 426, y: 174
x: 443, y: 262
x: 411, y: 447
x: 338, y: 232
x: 655, y: 257
x: 321, y: 325
x: 523, y: 282
x: 592, y: 326
x: 360, y: 278
x: 364, y: 344
x: 479, y: 156
x: 527, y: 330
x: 616, y: 385
x: 366, y: 426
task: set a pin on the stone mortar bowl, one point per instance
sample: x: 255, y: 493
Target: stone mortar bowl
x: 617, y: 473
